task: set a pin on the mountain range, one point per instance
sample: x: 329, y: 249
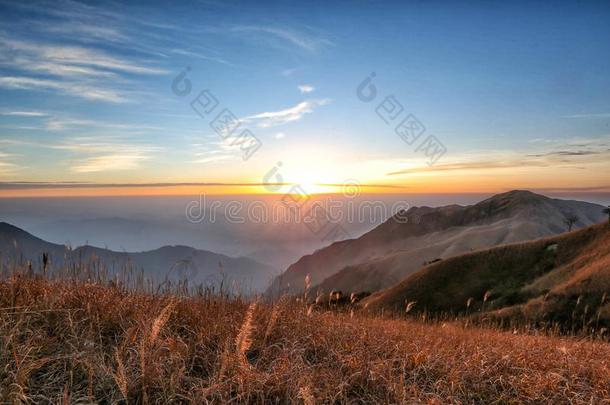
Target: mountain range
x: 408, y: 240
x: 378, y: 260
x: 171, y: 262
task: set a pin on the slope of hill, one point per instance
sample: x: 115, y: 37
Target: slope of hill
x: 173, y: 262
x: 76, y: 342
x: 562, y: 279
x: 394, y: 249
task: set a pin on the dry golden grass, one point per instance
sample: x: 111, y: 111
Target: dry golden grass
x: 76, y: 342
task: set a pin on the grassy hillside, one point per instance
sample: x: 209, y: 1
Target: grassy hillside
x: 72, y: 342
x: 562, y: 279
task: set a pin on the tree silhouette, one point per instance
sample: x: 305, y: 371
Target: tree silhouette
x: 607, y: 211
x: 570, y: 220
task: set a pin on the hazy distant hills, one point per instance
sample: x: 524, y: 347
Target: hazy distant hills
x: 259, y: 242
x: 562, y: 278
x: 175, y: 262
x: 395, y: 249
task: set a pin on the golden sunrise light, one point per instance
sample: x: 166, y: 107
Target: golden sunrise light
x: 288, y: 202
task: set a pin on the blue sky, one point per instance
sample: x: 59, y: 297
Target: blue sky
x: 518, y: 94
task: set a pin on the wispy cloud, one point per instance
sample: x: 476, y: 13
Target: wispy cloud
x: 94, y: 155
x: 68, y: 60
x: 93, y: 23
x: 289, y: 72
x: 115, y: 161
x: 87, y: 30
x: 305, y: 88
x: 76, y: 89
x: 29, y: 185
x: 7, y: 167
x: 212, y: 158
x: 24, y: 113
x: 199, y: 55
x: 214, y: 151
x: 275, y: 118
x: 22, y: 127
x: 575, y: 142
x: 569, y: 154
x: 280, y: 135
x: 474, y: 165
x: 592, y: 115
x: 603, y: 189
x: 84, y: 72
x: 61, y: 124
x: 299, y: 39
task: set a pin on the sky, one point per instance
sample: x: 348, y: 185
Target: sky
x: 108, y: 99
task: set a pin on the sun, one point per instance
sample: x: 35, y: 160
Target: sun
x: 314, y: 188
x: 312, y: 181
x: 318, y: 169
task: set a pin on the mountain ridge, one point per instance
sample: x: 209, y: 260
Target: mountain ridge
x: 405, y: 241
x: 199, y: 266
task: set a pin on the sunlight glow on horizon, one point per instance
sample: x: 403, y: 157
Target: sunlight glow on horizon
x: 108, y: 113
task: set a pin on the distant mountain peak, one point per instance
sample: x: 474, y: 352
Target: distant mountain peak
x: 513, y: 198
x: 519, y: 195
x: 520, y: 192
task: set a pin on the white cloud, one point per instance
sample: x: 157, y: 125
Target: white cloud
x: 95, y: 155
x: 298, y: 39
x: 305, y: 88
x: 58, y: 69
x: 200, y: 55
x: 275, y: 118
x: 7, y: 167
x: 78, y: 71
x: 24, y: 113
x: 280, y: 135
x: 214, y: 151
x: 22, y: 127
x: 109, y: 162
x: 211, y: 159
x: 562, y: 154
x: 67, y: 60
x: 592, y: 115
x: 76, y: 89
x: 288, y: 72
x: 89, y: 31
x: 60, y: 124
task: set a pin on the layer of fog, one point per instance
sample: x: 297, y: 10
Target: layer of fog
x: 246, y: 229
